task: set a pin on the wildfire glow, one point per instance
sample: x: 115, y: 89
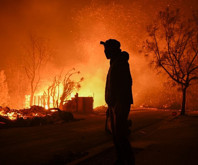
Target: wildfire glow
x: 74, y: 30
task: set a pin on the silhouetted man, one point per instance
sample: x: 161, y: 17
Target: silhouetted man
x: 118, y: 96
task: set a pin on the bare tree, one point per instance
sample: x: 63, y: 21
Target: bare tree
x: 173, y: 42
x: 37, y: 55
x: 49, y: 93
x: 69, y: 86
x: 61, y: 89
x: 53, y: 92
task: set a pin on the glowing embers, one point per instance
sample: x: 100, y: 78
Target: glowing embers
x: 10, y: 114
x: 34, y: 111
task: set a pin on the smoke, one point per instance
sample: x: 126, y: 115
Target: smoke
x: 127, y: 23
x: 74, y: 30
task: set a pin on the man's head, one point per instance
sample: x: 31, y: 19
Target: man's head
x: 112, y: 48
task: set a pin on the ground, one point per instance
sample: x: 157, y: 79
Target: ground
x: 172, y: 141
x: 157, y: 138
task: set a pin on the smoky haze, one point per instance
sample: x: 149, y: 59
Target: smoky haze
x: 74, y: 30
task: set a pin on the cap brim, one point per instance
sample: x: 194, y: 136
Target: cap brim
x: 102, y: 42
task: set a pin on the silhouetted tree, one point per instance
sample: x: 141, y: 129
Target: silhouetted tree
x: 53, y: 92
x: 37, y: 55
x: 61, y: 89
x: 173, y: 42
x: 69, y: 86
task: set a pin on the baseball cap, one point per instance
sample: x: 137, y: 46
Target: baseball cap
x: 111, y: 43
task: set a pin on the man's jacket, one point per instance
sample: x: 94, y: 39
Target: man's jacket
x: 119, y: 81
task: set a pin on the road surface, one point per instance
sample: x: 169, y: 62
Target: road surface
x: 66, y: 142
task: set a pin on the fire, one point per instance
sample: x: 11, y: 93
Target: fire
x: 9, y: 114
x: 40, y: 100
x: 46, y: 107
x: 53, y: 110
x: 48, y: 100
x: 34, y: 111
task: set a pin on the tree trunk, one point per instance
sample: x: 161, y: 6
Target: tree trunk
x: 48, y: 98
x: 31, y: 99
x: 183, y: 101
x: 31, y: 96
x: 62, y: 98
x: 61, y: 105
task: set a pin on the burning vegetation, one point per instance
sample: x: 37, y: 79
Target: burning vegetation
x: 32, y: 116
